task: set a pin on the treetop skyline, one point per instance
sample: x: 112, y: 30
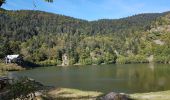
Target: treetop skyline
x: 92, y: 9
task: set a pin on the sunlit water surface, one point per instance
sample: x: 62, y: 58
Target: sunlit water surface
x: 130, y: 78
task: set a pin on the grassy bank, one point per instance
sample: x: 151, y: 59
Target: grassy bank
x: 74, y: 94
x: 2, y: 73
x: 10, y: 67
x: 163, y: 95
x: 51, y: 93
x: 4, y: 68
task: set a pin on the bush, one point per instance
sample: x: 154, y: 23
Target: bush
x: 138, y: 59
x: 87, y: 61
x: 23, y: 89
x: 121, y: 60
x: 131, y: 59
x: 109, y: 58
x: 162, y: 59
x: 72, y: 61
x: 49, y: 63
x: 98, y: 61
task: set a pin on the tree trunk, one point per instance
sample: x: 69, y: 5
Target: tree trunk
x: 1, y: 4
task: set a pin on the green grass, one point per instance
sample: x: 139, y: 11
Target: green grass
x: 4, y: 68
x: 70, y: 94
x: 162, y: 95
x: 74, y: 94
x: 10, y: 67
x: 2, y: 73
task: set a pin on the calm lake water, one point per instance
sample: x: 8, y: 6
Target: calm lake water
x: 130, y: 78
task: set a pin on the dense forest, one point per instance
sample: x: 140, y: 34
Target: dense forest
x: 43, y: 38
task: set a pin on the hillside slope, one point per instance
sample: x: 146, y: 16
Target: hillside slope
x: 44, y: 38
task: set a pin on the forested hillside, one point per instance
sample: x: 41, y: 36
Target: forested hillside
x: 43, y: 38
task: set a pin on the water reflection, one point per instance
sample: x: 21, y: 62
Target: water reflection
x: 142, y: 78
x: 120, y: 78
x: 151, y: 66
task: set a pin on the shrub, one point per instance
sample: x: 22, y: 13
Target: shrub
x: 23, y: 89
x: 98, y: 61
x: 87, y: 61
x: 72, y: 61
x: 109, y: 58
x: 162, y: 59
x: 49, y: 63
x: 131, y: 59
x: 121, y: 60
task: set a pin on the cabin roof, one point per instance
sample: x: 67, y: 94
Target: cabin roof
x: 12, y: 56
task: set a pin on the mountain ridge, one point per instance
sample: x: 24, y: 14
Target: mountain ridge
x: 44, y: 37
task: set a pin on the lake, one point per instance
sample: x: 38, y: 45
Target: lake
x: 129, y: 78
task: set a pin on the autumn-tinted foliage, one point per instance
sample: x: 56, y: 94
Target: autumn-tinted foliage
x: 44, y: 37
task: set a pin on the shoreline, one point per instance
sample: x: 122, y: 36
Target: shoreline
x: 68, y: 93
x: 78, y: 64
x: 5, y: 68
x: 159, y: 95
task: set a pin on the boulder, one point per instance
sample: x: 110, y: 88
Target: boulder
x: 114, y: 96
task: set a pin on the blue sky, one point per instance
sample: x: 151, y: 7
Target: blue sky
x: 92, y: 9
